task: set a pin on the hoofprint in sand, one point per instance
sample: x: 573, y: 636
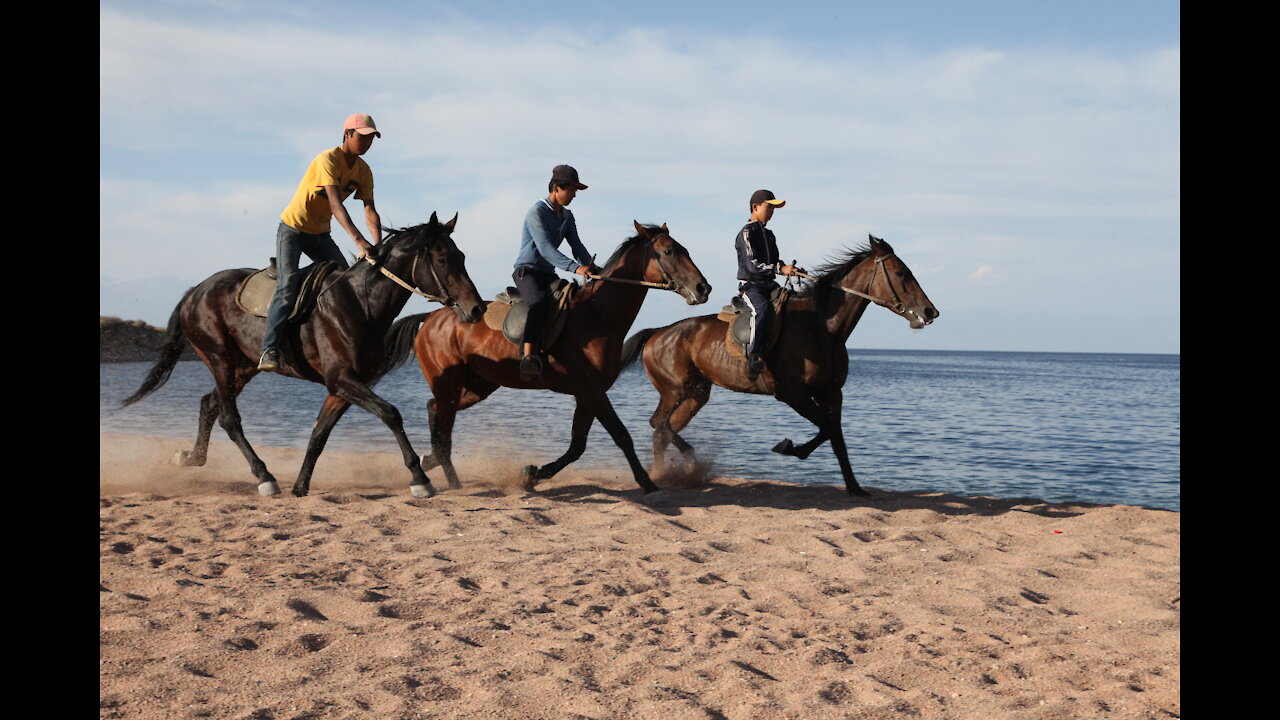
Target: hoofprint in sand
x: 741, y: 600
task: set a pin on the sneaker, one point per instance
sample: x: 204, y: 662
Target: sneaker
x: 530, y: 365
x: 755, y: 366
x: 270, y: 360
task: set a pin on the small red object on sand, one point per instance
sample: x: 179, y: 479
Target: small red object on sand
x: 1057, y: 532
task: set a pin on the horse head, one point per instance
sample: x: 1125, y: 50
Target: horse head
x: 669, y: 263
x: 891, y: 285
x: 439, y: 268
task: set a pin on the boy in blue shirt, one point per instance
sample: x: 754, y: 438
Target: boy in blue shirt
x: 757, y: 266
x: 546, y: 225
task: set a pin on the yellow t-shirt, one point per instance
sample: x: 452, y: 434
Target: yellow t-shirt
x: 309, y: 210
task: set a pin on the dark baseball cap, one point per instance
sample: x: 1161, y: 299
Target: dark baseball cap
x: 760, y: 196
x: 566, y: 174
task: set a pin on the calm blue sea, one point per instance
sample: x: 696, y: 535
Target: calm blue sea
x: 1056, y: 426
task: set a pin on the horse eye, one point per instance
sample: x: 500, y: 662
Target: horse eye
x: 667, y: 251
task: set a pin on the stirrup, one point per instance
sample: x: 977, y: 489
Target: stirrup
x: 530, y: 365
x: 270, y: 360
x: 755, y: 366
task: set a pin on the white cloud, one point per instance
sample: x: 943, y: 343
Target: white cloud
x: 1026, y: 161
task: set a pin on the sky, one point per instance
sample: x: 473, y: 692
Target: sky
x: 1021, y: 157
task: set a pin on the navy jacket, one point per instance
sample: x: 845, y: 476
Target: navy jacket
x: 757, y: 254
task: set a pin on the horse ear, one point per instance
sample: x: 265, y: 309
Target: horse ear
x: 640, y: 228
x: 664, y: 227
x: 434, y: 220
x: 452, y: 222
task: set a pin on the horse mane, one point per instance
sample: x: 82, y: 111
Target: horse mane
x: 630, y: 243
x: 834, y: 270
x: 393, y: 238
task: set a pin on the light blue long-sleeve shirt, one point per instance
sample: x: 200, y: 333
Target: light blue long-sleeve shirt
x: 540, y: 240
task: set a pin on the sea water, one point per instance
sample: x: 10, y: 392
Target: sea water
x: 1060, y: 427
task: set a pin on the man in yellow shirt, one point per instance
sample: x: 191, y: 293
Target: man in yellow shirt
x: 332, y: 176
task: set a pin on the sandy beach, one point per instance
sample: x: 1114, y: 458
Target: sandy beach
x: 741, y: 600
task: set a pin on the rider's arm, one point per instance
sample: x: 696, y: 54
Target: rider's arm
x: 340, y: 214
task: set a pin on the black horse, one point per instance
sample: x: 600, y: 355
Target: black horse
x: 339, y: 344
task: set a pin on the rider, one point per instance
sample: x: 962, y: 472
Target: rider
x: 304, y: 225
x: 546, y: 224
x: 757, y: 264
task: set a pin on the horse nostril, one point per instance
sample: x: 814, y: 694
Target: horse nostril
x: 931, y: 313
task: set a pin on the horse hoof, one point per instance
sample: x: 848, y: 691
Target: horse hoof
x: 182, y: 458
x: 422, y: 491
x: 657, y: 497
x: 786, y: 447
x: 859, y: 492
x: 268, y: 488
x: 529, y: 477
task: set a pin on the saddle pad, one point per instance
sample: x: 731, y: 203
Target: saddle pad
x: 255, y: 293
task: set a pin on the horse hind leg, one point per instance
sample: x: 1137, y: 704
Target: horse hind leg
x: 683, y: 415
x: 230, y: 383
x: 199, y: 453
x: 330, y: 412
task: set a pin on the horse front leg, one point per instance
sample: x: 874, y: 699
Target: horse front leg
x: 582, y: 419
x: 604, y: 412
x: 786, y: 447
x: 330, y: 412
x: 827, y: 418
x: 351, y: 388
x: 833, y: 404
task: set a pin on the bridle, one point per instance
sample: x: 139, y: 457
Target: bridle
x: 669, y: 284
x: 448, y: 300
x: 897, y: 305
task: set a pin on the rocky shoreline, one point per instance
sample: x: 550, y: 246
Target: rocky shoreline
x: 132, y: 341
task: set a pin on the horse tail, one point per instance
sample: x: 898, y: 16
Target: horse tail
x: 399, y: 342
x: 171, y: 347
x: 634, y: 346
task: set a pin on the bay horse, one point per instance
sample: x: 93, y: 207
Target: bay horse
x: 464, y: 364
x: 807, y: 365
x: 339, y: 344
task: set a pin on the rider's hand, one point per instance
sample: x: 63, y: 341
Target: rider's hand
x: 584, y: 270
x: 788, y: 270
x: 362, y: 248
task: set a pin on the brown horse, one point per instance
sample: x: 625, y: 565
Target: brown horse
x: 464, y: 364
x: 339, y: 344
x: 806, y: 367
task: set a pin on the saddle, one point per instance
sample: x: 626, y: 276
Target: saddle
x: 255, y: 293
x: 738, y: 315
x: 508, y: 313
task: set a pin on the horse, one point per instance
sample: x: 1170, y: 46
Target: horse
x: 339, y: 343
x: 807, y: 365
x: 464, y: 364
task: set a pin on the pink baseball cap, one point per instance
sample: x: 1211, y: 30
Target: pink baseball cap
x: 361, y: 123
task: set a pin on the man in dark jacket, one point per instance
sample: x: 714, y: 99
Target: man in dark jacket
x: 757, y: 266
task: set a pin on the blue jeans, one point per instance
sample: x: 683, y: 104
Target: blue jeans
x: 290, y: 246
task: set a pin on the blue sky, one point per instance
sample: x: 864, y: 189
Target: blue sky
x: 1021, y: 157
